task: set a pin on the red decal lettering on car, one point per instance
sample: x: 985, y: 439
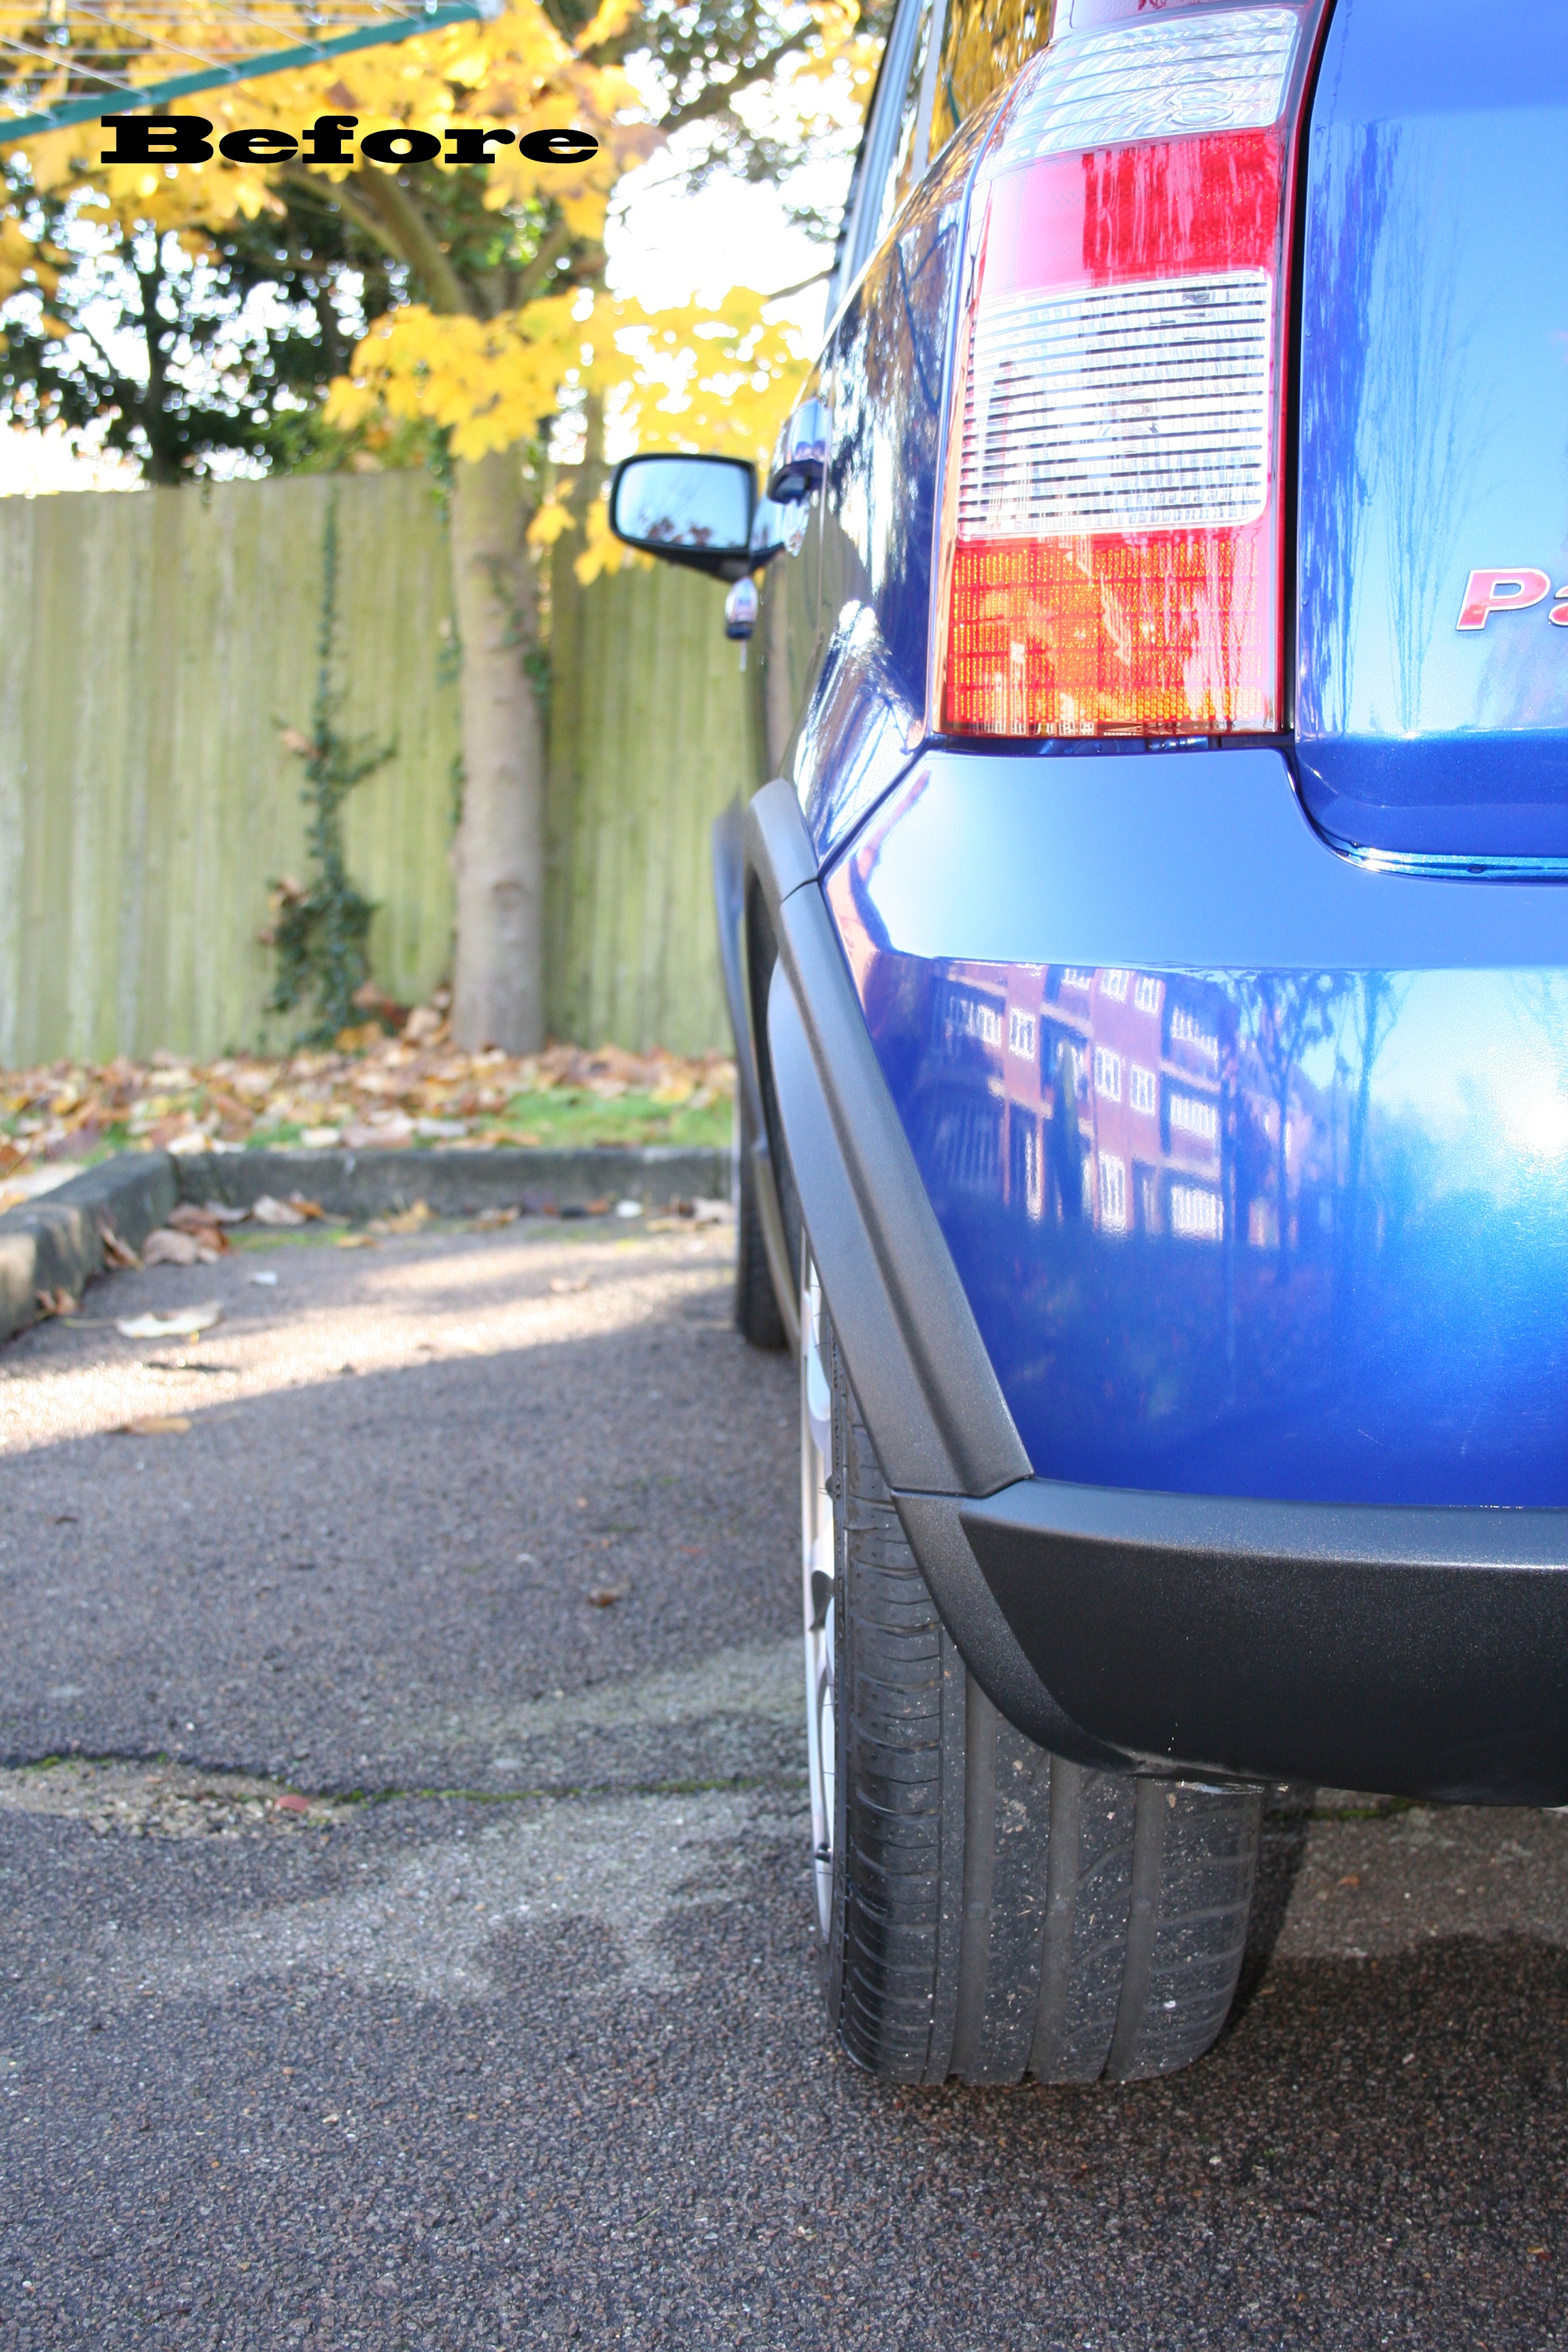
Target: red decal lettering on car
x: 1501, y: 592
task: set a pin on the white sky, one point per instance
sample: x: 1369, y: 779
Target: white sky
x: 667, y: 247
x: 32, y: 464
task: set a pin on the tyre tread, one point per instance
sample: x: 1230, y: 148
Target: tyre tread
x: 999, y: 1912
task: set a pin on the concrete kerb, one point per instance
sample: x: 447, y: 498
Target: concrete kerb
x: 56, y: 1242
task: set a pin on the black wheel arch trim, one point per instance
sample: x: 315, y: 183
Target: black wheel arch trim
x: 910, y: 1345
x: 1418, y: 1651
x: 913, y: 1346
x: 728, y: 842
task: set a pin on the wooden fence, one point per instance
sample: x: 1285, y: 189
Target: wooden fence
x: 152, y: 648
x: 649, y: 737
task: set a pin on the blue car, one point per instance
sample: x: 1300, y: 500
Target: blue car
x: 1149, y: 956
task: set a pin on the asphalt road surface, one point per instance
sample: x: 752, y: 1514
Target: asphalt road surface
x: 413, y: 1947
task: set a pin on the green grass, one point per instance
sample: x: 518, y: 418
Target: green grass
x: 565, y: 1119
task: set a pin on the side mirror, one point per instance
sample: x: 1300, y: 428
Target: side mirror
x: 690, y: 511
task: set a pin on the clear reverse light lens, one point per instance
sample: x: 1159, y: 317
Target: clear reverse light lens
x: 1118, y: 408
x: 1177, y: 78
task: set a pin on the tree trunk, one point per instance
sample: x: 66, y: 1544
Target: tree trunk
x: 498, y: 991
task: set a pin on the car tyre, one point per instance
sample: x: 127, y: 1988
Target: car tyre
x: 988, y: 1910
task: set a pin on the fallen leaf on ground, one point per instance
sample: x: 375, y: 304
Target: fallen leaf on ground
x: 393, y: 1132
x: 370, y: 1095
x: 181, y: 1322
x: 293, y: 1804
x: 203, y: 1217
x: 489, y: 1219
x: 359, y: 1037
x: 407, y: 1221
x: 115, y: 1251
x: 211, y: 1240
x: 319, y: 1139
x: 604, y: 1596
x: 356, y: 1241
x: 269, y: 1212
x: 166, y: 1247
x: 155, y: 1424
x: 562, y: 1283
x: 306, y: 1208
x: 56, y: 1302
x: 712, y: 1212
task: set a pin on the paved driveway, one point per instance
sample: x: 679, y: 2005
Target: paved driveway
x: 415, y: 1949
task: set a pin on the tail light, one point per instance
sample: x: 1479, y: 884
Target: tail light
x: 1111, y: 548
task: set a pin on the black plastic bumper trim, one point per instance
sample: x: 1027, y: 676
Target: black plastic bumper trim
x: 1422, y: 1652
x: 913, y: 1346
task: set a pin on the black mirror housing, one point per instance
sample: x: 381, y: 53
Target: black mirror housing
x: 692, y: 510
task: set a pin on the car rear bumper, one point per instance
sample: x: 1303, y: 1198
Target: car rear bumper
x: 1421, y: 1651
x: 1416, y: 1650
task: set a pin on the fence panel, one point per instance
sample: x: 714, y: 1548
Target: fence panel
x: 650, y: 737
x: 152, y: 646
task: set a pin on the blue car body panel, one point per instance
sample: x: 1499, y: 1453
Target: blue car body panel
x: 1253, y: 1158
x: 1094, y: 986
x: 888, y: 365
x: 1434, y: 430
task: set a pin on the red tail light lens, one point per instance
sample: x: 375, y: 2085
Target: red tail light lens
x: 1111, y: 546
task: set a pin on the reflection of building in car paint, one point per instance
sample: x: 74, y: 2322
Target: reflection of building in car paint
x: 1129, y: 1100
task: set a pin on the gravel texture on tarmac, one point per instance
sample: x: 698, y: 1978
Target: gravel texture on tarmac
x: 413, y: 1948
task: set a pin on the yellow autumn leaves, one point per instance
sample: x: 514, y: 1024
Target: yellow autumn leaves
x: 718, y: 378
x: 715, y: 378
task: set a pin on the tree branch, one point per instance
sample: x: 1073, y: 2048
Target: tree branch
x: 541, y: 270
x: 801, y: 284
x: 342, y: 194
x: 119, y: 386
x: 414, y: 241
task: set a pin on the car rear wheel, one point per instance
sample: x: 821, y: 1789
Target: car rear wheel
x: 985, y: 1910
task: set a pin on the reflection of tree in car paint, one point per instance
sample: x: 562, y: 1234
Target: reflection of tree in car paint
x: 1340, y: 247
x: 1393, y: 428
x: 1430, y: 433
x: 985, y: 43
x: 888, y: 374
